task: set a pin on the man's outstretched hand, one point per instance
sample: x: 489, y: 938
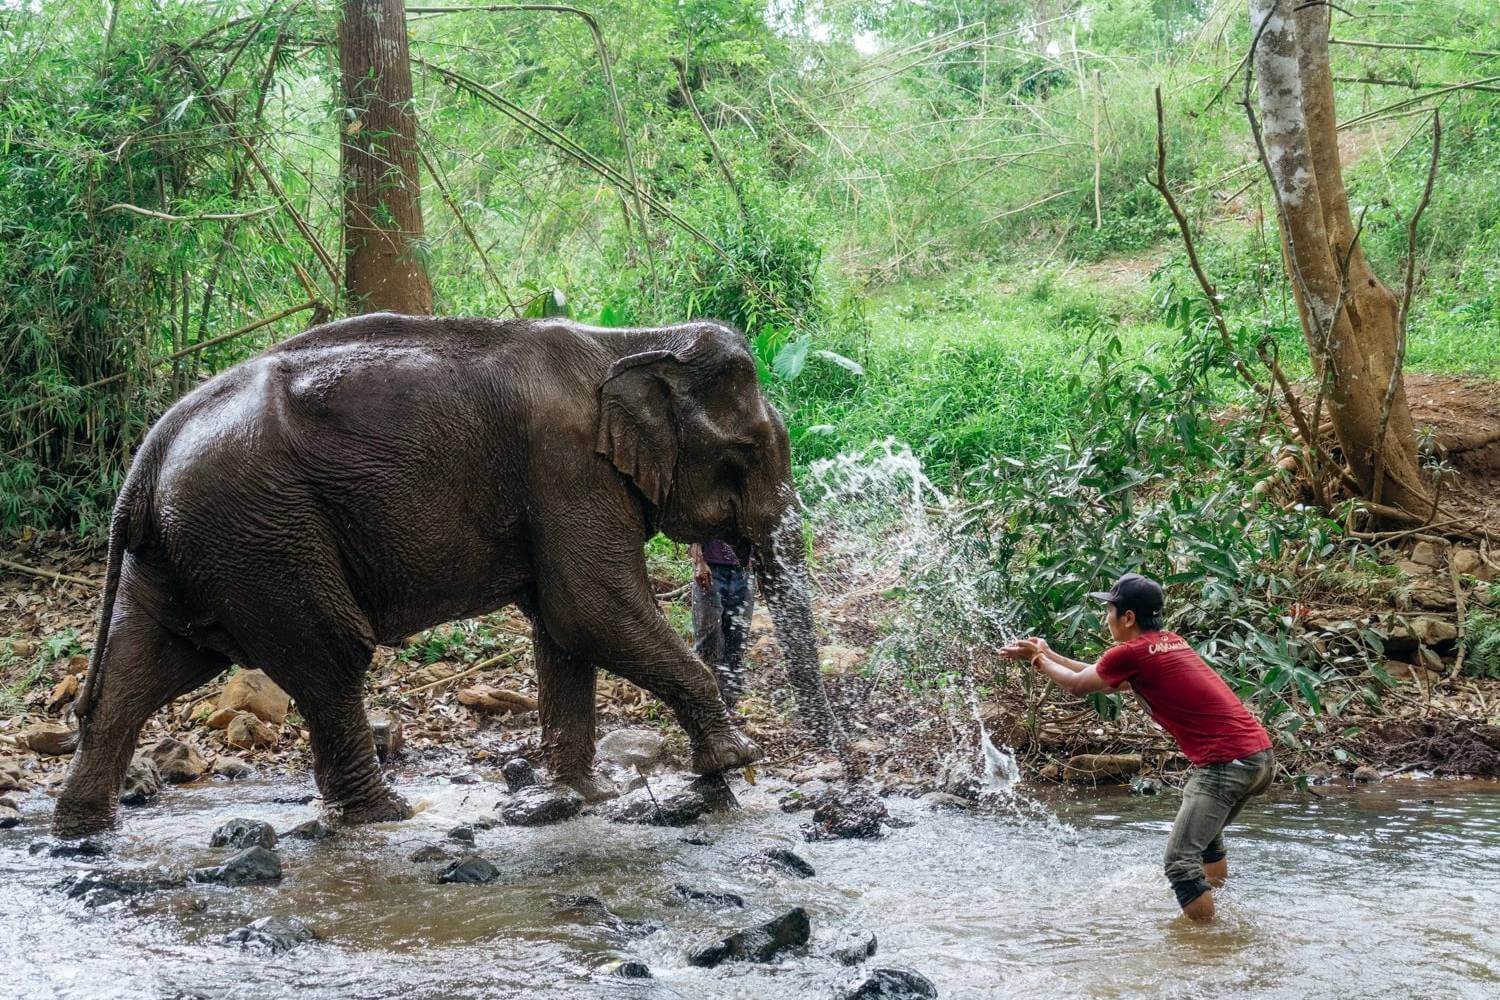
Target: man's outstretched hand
x: 1025, y: 649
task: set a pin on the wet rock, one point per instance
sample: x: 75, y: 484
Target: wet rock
x: 10, y: 812
x: 99, y: 888
x: 247, y: 731
x: 846, y: 813
x: 890, y: 984
x: 757, y: 944
x: 640, y: 748
x: 252, y: 691
x: 782, y: 860
x: 50, y: 739
x: 231, y: 767
x: 1365, y: 775
x: 942, y: 800
x: 710, y: 793
x: 462, y: 834
x: 66, y: 849
x: 540, y: 805
x: 628, y: 970
x: 13, y: 779
x: 313, y: 829
x: 389, y: 737
x: 592, y: 910
x: 272, y: 935
x: 518, y: 774
x: 469, y: 870
x: 142, y: 782
x: 1427, y: 554
x: 829, y: 771
x: 1145, y: 786
x: 1101, y: 767
x: 251, y: 866
x: 467, y: 778
x: 241, y: 833
x: 221, y: 719
x: 798, y: 800
x: 488, y: 698
x: 178, y: 762
x: 718, y: 900
x: 854, y: 947
x: 429, y: 852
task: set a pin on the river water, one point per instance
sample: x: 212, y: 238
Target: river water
x: 1390, y: 891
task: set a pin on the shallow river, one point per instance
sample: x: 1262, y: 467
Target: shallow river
x: 1390, y: 891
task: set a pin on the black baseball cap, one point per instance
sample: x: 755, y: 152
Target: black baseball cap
x: 1133, y: 592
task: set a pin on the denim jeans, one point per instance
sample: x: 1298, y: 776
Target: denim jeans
x: 1211, y: 799
x: 721, y: 627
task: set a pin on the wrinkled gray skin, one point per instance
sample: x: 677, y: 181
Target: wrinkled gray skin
x: 380, y: 475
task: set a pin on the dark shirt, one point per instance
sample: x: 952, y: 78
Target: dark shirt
x: 718, y: 552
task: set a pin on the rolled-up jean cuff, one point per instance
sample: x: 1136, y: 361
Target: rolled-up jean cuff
x: 1211, y: 855
x: 1189, y: 889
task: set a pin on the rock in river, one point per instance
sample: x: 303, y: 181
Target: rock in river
x: 757, y: 944
x: 272, y: 935
x: 102, y: 888
x: 782, y: 860
x: 10, y: 812
x: 592, y: 910
x: 541, y: 805
x: 178, y: 762
x: 846, y: 813
x: 252, y: 691
x: 389, y: 737
x: 50, y: 739
x: 429, y: 852
x: 854, y: 947
x: 707, y: 794
x: 629, y: 970
x: 232, y: 768
x: 142, y: 782
x: 632, y: 747
x: 890, y: 984
x: 313, y: 829
x: 241, y: 833
x: 518, y: 774
x: 718, y: 900
x: 469, y: 870
x: 248, y: 867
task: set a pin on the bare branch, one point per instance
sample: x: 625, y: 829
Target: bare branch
x: 199, y: 217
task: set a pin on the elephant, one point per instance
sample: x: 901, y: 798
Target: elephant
x: 382, y: 474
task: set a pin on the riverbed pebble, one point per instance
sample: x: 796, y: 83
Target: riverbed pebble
x: 178, y: 762
x: 641, y: 748
x: 707, y: 794
x: 313, y: 829
x: 854, y: 947
x: 782, y: 860
x: 469, y: 870
x: 540, y: 805
x: 240, y: 832
x: 890, y: 984
x: 846, y: 813
x: 761, y: 943
x: 142, y: 782
x: 272, y: 935
x: 518, y: 774
x: 251, y: 866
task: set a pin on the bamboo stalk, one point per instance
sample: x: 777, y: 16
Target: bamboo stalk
x: 463, y: 224
x: 687, y: 95
x: 46, y: 574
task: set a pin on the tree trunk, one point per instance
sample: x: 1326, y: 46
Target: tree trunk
x: 1349, y: 317
x: 378, y: 147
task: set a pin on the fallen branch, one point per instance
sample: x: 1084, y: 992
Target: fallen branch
x: 481, y: 665
x: 47, y: 574
x: 1411, y: 47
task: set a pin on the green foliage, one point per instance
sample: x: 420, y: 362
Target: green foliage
x: 1482, y: 645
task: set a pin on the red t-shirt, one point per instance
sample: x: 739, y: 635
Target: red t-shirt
x: 1185, y: 697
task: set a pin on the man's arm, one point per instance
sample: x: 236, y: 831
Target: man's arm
x: 1081, y: 680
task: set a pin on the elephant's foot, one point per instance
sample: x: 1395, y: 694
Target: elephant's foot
x: 592, y: 786
x: 72, y: 819
x: 386, y: 809
x: 724, y: 751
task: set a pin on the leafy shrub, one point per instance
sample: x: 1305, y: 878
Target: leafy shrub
x: 1482, y: 645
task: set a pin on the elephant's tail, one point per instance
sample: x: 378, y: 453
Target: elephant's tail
x: 125, y: 524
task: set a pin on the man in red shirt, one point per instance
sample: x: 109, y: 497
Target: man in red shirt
x: 1230, y: 751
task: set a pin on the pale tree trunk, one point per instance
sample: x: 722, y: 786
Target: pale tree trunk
x: 1351, y: 324
x: 378, y: 151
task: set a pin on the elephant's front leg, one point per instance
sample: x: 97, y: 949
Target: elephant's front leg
x: 566, y: 702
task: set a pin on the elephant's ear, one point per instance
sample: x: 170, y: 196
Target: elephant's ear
x: 637, y: 423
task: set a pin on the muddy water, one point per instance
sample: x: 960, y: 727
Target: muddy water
x: 1392, y: 891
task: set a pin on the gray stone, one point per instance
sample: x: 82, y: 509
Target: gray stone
x: 10, y: 813
x: 1465, y: 562
x: 251, y: 866
x: 640, y: 748
x: 389, y: 737
x: 541, y: 805
x: 98, y: 888
x: 178, y: 762
x: 782, y: 860
x: 233, y: 768
x: 429, y: 852
x: 718, y: 900
x: 313, y: 829
x: 890, y: 984
x: 79, y: 849
x: 846, y: 813
x: 629, y: 970
x: 854, y: 947
x: 462, y: 834
x: 1427, y: 554
x: 1364, y: 774
x: 142, y: 782
x: 518, y: 774
x: 757, y: 944
x: 592, y: 910
x: 272, y: 935
x: 13, y: 779
x: 942, y: 800
x: 710, y: 793
x: 241, y: 833
x: 469, y: 870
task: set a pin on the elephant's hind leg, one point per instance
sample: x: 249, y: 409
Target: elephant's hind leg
x: 345, y: 765
x: 144, y: 667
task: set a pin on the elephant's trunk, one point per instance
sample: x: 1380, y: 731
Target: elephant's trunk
x: 781, y: 569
